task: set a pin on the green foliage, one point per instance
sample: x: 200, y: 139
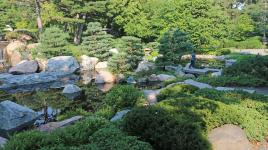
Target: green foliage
x: 122, y: 96
x: 237, y: 80
x: 219, y: 52
x: 130, y: 54
x: 175, y: 91
x: 92, y: 133
x: 173, y: 44
x: 113, y: 138
x: 53, y: 43
x: 71, y: 113
x: 249, y: 43
x: 256, y: 67
x: 242, y: 29
x: 96, y: 41
x: 105, y: 111
x: 164, y: 130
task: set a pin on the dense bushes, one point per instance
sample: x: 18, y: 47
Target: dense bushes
x: 255, y: 67
x: 239, y: 80
x: 164, y: 130
x: 91, y: 133
x: 250, y: 43
x: 122, y: 96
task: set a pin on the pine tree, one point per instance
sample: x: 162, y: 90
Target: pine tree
x: 173, y: 44
x: 129, y: 56
x: 53, y: 43
x: 96, y: 41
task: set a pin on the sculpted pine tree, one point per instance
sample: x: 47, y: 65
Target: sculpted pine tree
x: 96, y: 41
x: 53, y: 43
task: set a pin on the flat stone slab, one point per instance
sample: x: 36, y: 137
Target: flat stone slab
x: 197, y: 84
x: 15, y: 117
x: 229, y: 137
x: 49, y: 127
x: 196, y: 71
x: 233, y: 89
x: 119, y: 115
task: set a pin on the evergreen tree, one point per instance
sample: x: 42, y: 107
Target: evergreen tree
x: 53, y: 43
x: 96, y: 41
x: 173, y: 44
x: 130, y: 55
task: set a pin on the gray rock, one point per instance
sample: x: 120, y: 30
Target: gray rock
x: 24, y: 67
x: 153, y: 78
x: 145, y: 66
x: 151, y: 95
x: 233, y: 89
x: 71, y: 91
x: 66, y: 64
x: 32, y: 82
x: 216, y: 74
x: 49, y: 127
x: 196, y: 71
x: 114, y: 51
x: 197, y: 84
x: 3, y: 141
x: 119, y: 115
x: 179, y: 73
x: 229, y: 137
x: 131, y: 80
x: 15, y: 117
x: 88, y: 63
x: 188, y: 75
x: 229, y: 62
x: 173, y: 68
x: 165, y: 77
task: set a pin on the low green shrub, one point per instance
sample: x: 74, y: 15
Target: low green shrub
x: 105, y: 111
x: 71, y: 113
x: 122, y: 96
x: 227, y: 80
x: 256, y: 67
x: 164, y: 130
x: 250, y: 43
x: 175, y: 91
x: 113, y: 138
x: 178, y: 79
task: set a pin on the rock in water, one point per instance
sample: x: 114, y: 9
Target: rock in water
x: 66, y: 64
x: 229, y: 137
x: 88, y: 63
x: 119, y: 115
x: 15, y: 117
x: 71, y: 91
x: 24, y: 67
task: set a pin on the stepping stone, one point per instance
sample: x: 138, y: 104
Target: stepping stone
x: 229, y: 137
x: 49, y: 127
x: 196, y: 71
x: 197, y: 84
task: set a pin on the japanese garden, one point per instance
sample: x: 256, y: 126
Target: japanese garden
x: 133, y: 75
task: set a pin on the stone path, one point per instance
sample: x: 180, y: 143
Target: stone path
x: 229, y: 137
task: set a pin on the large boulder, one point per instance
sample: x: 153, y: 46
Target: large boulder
x: 197, y: 84
x: 104, y: 76
x: 229, y: 137
x: 65, y: 64
x: 36, y: 81
x: 164, y: 77
x: 71, y: 91
x: 15, y: 117
x: 102, y: 65
x: 24, y: 67
x: 15, y: 46
x: 153, y: 78
x: 144, y: 66
x: 88, y: 63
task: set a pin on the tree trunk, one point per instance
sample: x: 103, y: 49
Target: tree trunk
x: 79, y: 30
x: 38, y: 16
